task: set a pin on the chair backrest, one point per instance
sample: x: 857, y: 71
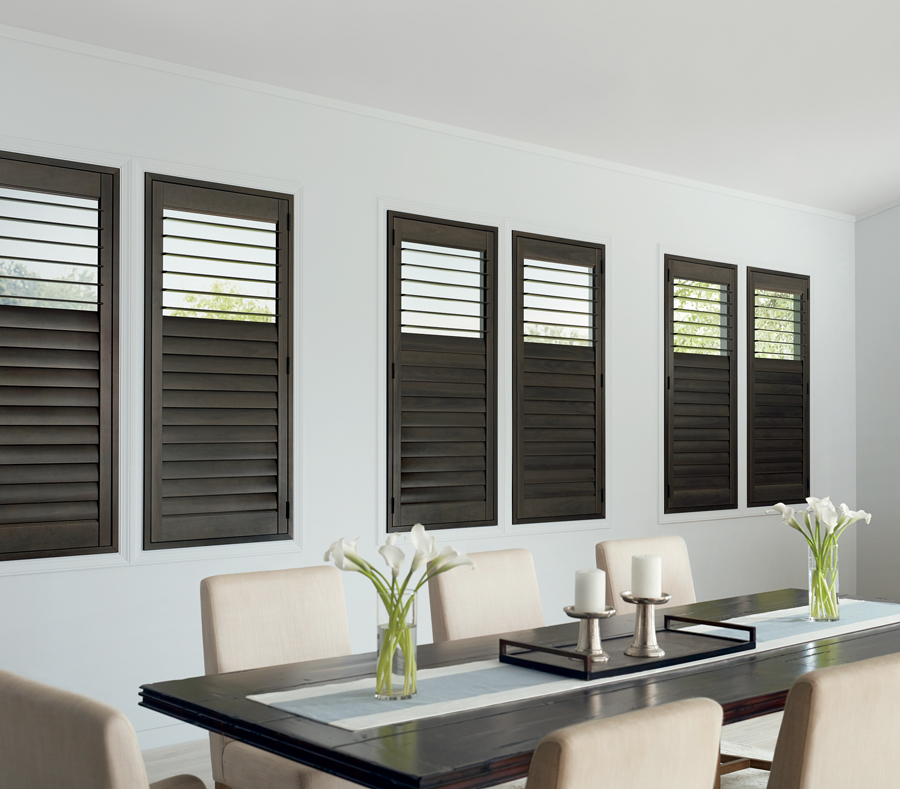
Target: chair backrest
x: 840, y: 728
x: 501, y: 594
x: 273, y: 617
x: 53, y: 738
x: 674, y: 745
x: 614, y: 558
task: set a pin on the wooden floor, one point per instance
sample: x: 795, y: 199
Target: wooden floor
x: 193, y: 757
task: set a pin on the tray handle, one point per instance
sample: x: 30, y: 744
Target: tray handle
x: 748, y: 629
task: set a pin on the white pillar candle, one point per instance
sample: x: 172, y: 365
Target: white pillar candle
x: 646, y: 576
x: 590, y: 591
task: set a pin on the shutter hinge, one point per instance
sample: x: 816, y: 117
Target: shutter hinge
x: 668, y: 491
x: 288, y: 221
x: 392, y: 505
x: 602, y: 496
x: 601, y: 380
x: 668, y: 275
x: 288, y: 365
x: 393, y: 238
x: 287, y: 510
x: 807, y: 484
x: 668, y: 382
x: 807, y: 387
x: 393, y: 370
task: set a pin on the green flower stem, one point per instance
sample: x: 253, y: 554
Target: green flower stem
x: 823, y: 599
x: 396, y: 634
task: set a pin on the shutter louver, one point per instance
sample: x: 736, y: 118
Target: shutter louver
x: 701, y: 386
x: 558, y: 409
x: 443, y: 396
x: 57, y: 340
x: 778, y: 388
x: 218, y: 421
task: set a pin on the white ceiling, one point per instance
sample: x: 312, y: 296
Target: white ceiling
x: 793, y: 99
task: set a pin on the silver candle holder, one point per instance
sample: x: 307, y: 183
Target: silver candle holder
x: 589, y: 632
x: 644, y: 644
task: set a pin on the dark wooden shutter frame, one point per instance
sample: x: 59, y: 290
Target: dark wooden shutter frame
x: 556, y: 358
x: 438, y: 232
x: 66, y: 532
x: 685, y: 492
x: 162, y: 191
x: 786, y: 482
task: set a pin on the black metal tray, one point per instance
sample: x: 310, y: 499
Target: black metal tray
x: 680, y: 645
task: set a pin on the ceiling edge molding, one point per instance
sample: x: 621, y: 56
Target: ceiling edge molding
x: 879, y: 210
x: 142, y: 61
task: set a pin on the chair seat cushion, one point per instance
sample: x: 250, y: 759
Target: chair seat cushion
x: 246, y: 767
x: 179, y: 782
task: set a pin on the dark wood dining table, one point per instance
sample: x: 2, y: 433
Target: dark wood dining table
x: 483, y: 747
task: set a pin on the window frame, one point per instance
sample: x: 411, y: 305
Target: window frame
x: 394, y: 370
x: 599, y: 345
x: 108, y: 335
x: 286, y: 514
x: 803, y: 290
x: 728, y: 276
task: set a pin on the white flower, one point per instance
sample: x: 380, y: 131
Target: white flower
x: 344, y: 554
x: 424, y: 545
x: 393, y: 556
x: 449, y: 558
x: 852, y: 516
x: 824, y: 512
x: 787, y: 514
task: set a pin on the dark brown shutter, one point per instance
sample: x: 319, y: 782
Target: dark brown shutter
x: 442, y: 436
x: 778, y: 388
x: 701, y: 386
x: 558, y: 471
x: 58, y: 393
x: 217, y: 465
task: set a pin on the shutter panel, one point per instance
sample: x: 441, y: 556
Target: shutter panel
x: 58, y: 293
x: 701, y: 386
x: 778, y: 388
x: 442, y: 352
x: 218, y: 454
x: 558, y: 471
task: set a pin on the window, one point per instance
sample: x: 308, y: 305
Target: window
x: 218, y: 350
x: 558, y: 445
x: 778, y: 388
x: 442, y: 396
x: 701, y: 386
x: 58, y: 393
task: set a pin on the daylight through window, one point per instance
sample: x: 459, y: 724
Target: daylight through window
x: 49, y: 250
x: 558, y: 303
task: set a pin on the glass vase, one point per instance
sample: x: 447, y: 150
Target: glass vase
x: 823, y: 585
x: 395, y: 676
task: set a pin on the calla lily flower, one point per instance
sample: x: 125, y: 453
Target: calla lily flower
x: 449, y: 558
x: 393, y: 555
x: 828, y: 516
x: 787, y: 514
x: 424, y: 545
x: 853, y: 516
x: 345, y: 557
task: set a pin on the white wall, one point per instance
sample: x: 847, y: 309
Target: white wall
x: 143, y: 621
x: 878, y: 384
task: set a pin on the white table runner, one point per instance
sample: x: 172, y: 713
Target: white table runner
x: 352, y: 706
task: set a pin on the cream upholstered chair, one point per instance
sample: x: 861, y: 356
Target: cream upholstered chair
x: 54, y: 739
x: 673, y: 745
x: 614, y: 558
x: 839, y: 728
x: 499, y: 595
x: 269, y: 618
